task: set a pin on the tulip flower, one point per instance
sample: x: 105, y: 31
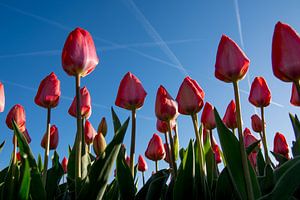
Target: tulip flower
x: 102, y: 128
x: 260, y: 94
x: 208, y: 116
x: 280, y: 145
x: 2, y: 98
x: 89, y: 134
x: 18, y: 156
x: 85, y: 106
x: 229, y: 118
x: 53, y: 138
x: 64, y: 164
x: 155, y: 150
x: 142, y: 166
x: 131, y: 96
x: 162, y: 126
x: 249, y: 139
x: 216, y: 150
x: 256, y: 123
x: 99, y: 144
x: 231, y: 66
x: 190, y: 97
x: 167, y: 149
x: 295, y: 98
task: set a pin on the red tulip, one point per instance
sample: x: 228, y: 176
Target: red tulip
x: 53, y: 138
x: 216, y: 150
x: 280, y: 145
x: 295, y: 99
x: 162, y: 126
x: 99, y: 144
x: 229, y: 118
x: 142, y: 165
x: 2, y: 98
x: 155, y: 150
x: 102, y: 128
x: 49, y: 92
x: 260, y: 94
x: 231, y: 62
x: 89, y: 133
x: 18, y: 156
x: 167, y: 157
x: 253, y: 158
x: 286, y: 53
x: 256, y: 123
x: 64, y: 164
x: 190, y: 97
x: 16, y: 113
x: 79, y: 53
x: 208, y: 116
x: 165, y: 107
x: 250, y: 139
x: 85, y: 101
x: 131, y: 94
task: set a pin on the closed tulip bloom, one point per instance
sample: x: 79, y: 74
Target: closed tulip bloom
x: 155, y: 150
x: 229, y: 118
x: 253, y: 159
x: 142, y: 165
x: 49, y: 92
x: 216, y: 150
x: 295, y: 99
x: 165, y: 107
x: 280, y: 145
x: 260, y: 94
x: 190, y: 97
x: 131, y: 94
x: 53, y: 138
x: 286, y: 53
x: 231, y: 62
x: 16, y: 113
x: 2, y: 97
x: 79, y: 54
x: 208, y: 116
x: 167, y: 157
x: 249, y: 139
x: 102, y: 128
x: 89, y: 133
x: 99, y: 144
x: 64, y: 164
x: 256, y: 123
x: 85, y: 101
x: 162, y: 126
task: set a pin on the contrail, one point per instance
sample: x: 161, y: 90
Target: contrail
x: 35, y: 53
x: 155, y: 35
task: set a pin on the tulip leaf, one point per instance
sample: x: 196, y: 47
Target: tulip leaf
x: 296, y: 125
x: 224, y: 188
x: 283, y: 168
x: 181, y: 153
x: 252, y: 147
x: 9, y: 187
x: 280, y: 158
x: 232, y: 154
x: 2, y: 145
x: 3, y: 174
x: 116, y: 121
x: 176, y: 147
x: 37, y: 190
x: 112, y: 191
x: 25, y: 183
x: 185, y: 183
x: 267, y: 180
x: 260, y: 163
x: 211, y: 169
x: 40, y: 163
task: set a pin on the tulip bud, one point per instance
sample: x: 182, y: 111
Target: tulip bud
x: 208, y: 116
x: 250, y: 139
x: 142, y: 165
x: 167, y: 157
x: 162, y: 126
x: 256, y: 123
x: 79, y: 54
x: 85, y: 104
x: 285, y: 53
x: 64, y: 164
x: 280, y: 145
x: 216, y: 150
x: 260, y: 94
x: 190, y: 97
x: 165, y: 107
x: 231, y: 62
x: 131, y: 94
x: 155, y: 150
x: 49, y: 92
x: 295, y: 98
x: 89, y: 133
x: 229, y: 118
x: 99, y: 144
x: 16, y: 113
x: 102, y: 128
x: 2, y: 97
x: 53, y: 138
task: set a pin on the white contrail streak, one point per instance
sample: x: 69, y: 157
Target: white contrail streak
x: 35, y: 53
x: 151, y: 31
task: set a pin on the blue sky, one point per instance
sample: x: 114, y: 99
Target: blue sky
x: 159, y: 41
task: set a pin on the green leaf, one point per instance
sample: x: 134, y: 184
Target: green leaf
x: 232, y: 154
x: 185, y: 183
x: 10, y: 187
x: 176, y: 146
x: 296, y: 147
x: 40, y: 163
x: 252, y: 147
x: 2, y: 145
x: 3, y: 174
x: 211, y: 169
x: 181, y: 153
x: 25, y: 183
x: 267, y: 181
x: 260, y: 163
x: 224, y: 188
x: 116, y: 121
x: 112, y: 191
x: 296, y: 125
x: 280, y: 158
x: 283, y: 168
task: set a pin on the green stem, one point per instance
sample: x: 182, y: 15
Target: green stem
x: 172, y: 152
x: 143, y: 175
x: 132, y: 146
x: 156, y: 166
x: 15, y: 149
x: 233, y: 131
x: 47, y: 149
x: 168, y: 149
x: 242, y: 146
x: 264, y: 138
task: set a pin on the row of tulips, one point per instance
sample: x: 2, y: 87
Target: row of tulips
x: 193, y: 172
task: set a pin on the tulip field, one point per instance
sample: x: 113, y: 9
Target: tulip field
x: 232, y: 163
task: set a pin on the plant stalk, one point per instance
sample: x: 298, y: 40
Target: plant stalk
x: 143, y: 175
x: 168, y: 149
x: 264, y: 138
x: 156, y: 166
x: 172, y: 151
x: 15, y: 149
x: 47, y: 149
x: 132, y: 145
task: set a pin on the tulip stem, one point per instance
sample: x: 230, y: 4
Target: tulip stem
x: 132, y: 145
x: 242, y: 145
x: 168, y: 149
x: 233, y: 131
x: 143, y: 176
x: 264, y: 138
x: 156, y: 166
x: 15, y: 149
x: 172, y: 152
x: 47, y: 147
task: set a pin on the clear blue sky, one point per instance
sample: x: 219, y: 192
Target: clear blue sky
x: 129, y: 36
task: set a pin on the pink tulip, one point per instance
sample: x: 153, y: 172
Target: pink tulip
x: 162, y: 126
x: 256, y: 123
x: 208, y: 116
x: 64, y: 164
x: 53, y: 138
x: 2, y: 97
x: 142, y: 165
x: 99, y: 144
x: 16, y: 113
x: 86, y: 107
x: 229, y: 118
x: 155, y: 150
x: 165, y: 107
x: 280, y: 145
x: 260, y: 94
x: 89, y: 133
